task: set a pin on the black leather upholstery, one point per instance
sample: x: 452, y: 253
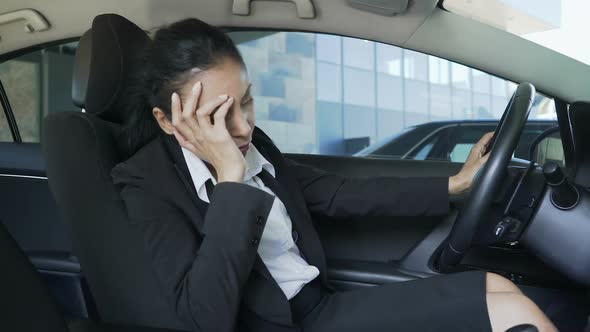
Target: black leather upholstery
x: 80, y: 150
x: 81, y: 70
x: 104, y: 65
x: 25, y: 302
x: 117, y: 45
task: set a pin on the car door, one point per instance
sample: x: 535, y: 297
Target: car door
x: 34, y: 84
x: 314, y: 93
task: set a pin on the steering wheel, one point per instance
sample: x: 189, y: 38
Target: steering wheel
x: 489, y: 178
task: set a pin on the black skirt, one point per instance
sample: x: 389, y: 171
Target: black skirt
x: 454, y: 302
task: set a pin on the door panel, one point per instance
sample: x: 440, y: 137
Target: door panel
x: 61, y: 272
x: 371, y: 250
x: 21, y: 159
x: 365, y: 167
x: 372, y: 239
x: 29, y: 213
x: 28, y: 210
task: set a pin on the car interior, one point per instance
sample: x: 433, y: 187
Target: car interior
x: 74, y: 263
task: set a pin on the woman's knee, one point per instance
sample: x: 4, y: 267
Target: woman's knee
x: 510, y: 309
x: 495, y: 283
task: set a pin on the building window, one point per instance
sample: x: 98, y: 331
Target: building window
x: 358, y: 53
x: 438, y: 70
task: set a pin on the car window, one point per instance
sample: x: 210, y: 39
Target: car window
x: 36, y: 84
x: 333, y: 95
x: 460, y: 152
x: 426, y: 149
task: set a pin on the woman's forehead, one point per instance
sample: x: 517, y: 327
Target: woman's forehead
x: 228, y: 77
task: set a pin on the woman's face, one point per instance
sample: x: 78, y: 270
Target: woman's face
x: 230, y: 78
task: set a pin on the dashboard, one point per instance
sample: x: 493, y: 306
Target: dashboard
x: 545, y: 209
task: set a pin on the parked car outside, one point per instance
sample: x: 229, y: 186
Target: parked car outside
x: 448, y: 140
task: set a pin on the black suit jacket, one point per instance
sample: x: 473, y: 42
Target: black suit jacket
x: 205, y: 255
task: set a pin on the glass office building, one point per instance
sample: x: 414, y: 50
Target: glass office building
x: 327, y: 94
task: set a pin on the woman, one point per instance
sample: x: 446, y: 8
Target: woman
x: 226, y: 219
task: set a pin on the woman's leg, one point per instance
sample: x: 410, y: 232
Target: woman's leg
x: 508, y: 307
x: 495, y: 283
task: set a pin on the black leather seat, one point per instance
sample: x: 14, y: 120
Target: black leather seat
x: 26, y: 304
x: 80, y: 150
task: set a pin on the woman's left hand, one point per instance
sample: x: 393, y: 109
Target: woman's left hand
x: 461, y: 182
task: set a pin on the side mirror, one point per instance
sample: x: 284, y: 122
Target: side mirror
x: 548, y: 147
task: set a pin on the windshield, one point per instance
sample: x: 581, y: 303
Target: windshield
x: 561, y: 25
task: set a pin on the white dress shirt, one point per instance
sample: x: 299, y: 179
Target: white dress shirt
x: 277, y: 248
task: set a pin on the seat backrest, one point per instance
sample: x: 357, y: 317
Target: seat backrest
x: 80, y: 149
x: 25, y: 301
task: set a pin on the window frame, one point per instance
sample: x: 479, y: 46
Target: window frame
x: 10, y: 119
x: 5, y: 99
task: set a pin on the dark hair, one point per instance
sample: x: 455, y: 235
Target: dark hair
x: 167, y: 66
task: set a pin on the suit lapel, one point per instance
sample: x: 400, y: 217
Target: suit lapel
x: 175, y: 152
x: 163, y: 176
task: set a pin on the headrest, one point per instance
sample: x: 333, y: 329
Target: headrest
x: 106, y: 58
x: 81, y: 70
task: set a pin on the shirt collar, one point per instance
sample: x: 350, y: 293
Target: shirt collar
x: 199, y: 172
x: 255, y: 163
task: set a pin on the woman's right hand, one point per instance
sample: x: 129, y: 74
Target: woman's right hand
x: 206, y: 135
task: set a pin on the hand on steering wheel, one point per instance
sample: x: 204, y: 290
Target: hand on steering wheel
x: 488, y: 181
x: 462, y: 181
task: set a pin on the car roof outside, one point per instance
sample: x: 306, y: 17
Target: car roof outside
x: 482, y: 121
x: 427, y: 128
